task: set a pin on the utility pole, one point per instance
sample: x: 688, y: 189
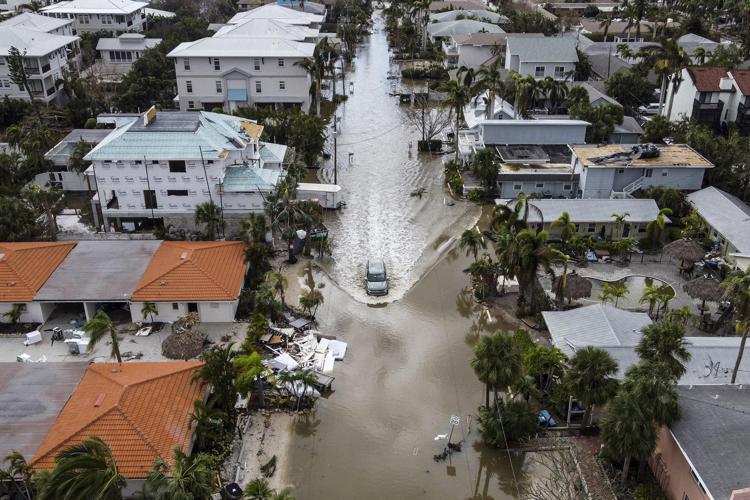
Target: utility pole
x: 335, y: 150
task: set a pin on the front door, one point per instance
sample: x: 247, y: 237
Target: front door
x: 192, y: 307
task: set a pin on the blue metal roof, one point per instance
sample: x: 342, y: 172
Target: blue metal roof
x: 246, y: 179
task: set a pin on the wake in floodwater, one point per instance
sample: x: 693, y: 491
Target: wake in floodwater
x: 381, y: 173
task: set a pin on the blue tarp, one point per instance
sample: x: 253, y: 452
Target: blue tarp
x: 237, y: 95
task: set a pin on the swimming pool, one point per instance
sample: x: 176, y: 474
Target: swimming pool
x: 635, y: 285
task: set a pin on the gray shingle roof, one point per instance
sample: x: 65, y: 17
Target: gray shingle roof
x: 594, y: 325
x: 592, y: 210
x: 713, y: 434
x: 725, y: 213
x: 543, y: 49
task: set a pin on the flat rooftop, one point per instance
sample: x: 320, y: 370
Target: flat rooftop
x: 672, y: 155
x: 31, y: 397
x: 99, y: 271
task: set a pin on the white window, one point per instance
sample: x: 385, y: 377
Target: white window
x: 559, y: 71
x: 620, y: 170
x: 186, y: 64
x: 591, y: 228
x: 258, y: 87
x: 664, y: 172
x: 649, y: 173
x: 219, y: 89
x: 539, y: 72
x: 191, y: 104
x: 281, y: 62
x: 517, y: 187
x: 282, y: 85
x: 567, y: 187
x: 217, y: 64
x: 540, y: 185
x: 175, y: 306
x: 189, y: 86
x: 256, y: 64
x: 2, y: 61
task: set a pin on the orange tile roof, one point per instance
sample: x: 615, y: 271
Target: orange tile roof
x: 141, y: 410
x: 25, y: 267
x: 193, y: 271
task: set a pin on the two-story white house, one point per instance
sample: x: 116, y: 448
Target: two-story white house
x: 49, y: 49
x: 710, y: 95
x: 90, y: 16
x: 284, y: 14
x: 619, y: 170
x: 161, y: 165
x: 541, y: 56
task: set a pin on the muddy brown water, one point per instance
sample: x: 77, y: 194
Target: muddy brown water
x: 407, y: 369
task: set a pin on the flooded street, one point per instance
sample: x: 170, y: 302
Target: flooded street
x: 407, y: 368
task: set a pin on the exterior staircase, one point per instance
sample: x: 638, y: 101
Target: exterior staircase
x: 627, y: 191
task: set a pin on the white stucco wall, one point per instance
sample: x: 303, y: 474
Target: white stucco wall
x: 209, y: 312
x: 35, y: 312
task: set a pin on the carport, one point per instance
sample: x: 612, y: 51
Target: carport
x: 99, y: 274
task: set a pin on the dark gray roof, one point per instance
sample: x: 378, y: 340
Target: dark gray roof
x: 729, y: 215
x: 99, y: 271
x: 542, y: 49
x: 605, y: 64
x: 31, y: 396
x: 629, y: 125
x: 713, y: 435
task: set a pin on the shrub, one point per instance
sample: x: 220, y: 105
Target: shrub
x: 513, y: 420
x: 648, y: 491
x: 90, y: 123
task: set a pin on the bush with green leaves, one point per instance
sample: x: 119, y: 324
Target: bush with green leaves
x: 506, y: 423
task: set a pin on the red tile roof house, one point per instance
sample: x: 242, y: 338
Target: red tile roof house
x: 141, y: 410
x: 24, y: 268
x: 192, y: 276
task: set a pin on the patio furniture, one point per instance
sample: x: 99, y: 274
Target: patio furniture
x: 33, y: 338
x: 144, y: 332
x: 23, y: 358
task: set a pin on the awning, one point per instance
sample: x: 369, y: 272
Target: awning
x: 237, y: 95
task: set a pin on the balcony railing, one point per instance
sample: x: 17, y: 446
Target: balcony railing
x: 32, y: 70
x: 708, y: 106
x: 46, y: 68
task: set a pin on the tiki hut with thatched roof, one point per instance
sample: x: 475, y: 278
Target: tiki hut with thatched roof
x: 685, y: 250
x: 705, y: 289
x: 576, y: 287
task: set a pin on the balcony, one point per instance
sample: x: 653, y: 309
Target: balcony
x: 32, y: 70
x: 46, y: 68
x: 743, y: 118
x: 708, y: 113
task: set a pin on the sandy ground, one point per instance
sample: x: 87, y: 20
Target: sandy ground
x: 266, y: 436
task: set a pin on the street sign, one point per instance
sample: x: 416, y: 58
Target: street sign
x: 455, y: 420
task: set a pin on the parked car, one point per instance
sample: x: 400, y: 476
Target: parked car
x: 377, y: 278
x: 649, y: 109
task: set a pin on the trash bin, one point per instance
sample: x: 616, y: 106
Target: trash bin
x: 231, y: 491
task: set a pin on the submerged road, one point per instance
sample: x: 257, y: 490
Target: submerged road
x: 407, y: 369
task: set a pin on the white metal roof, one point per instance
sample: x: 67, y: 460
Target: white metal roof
x: 595, y: 325
x: 323, y: 188
x: 34, y: 42
x: 542, y: 49
x: 94, y: 7
x: 591, y: 210
x: 274, y: 11
x: 35, y: 21
x: 125, y: 42
x: 267, y: 28
x: 727, y: 214
x: 231, y: 47
x: 462, y: 27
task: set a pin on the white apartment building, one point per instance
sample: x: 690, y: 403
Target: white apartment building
x: 115, y: 56
x: 541, y: 56
x: 49, y: 48
x: 252, y: 61
x: 90, y: 16
x: 161, y: 165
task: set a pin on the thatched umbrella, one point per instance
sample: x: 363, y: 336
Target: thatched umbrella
x: 685, y: 250
x: 184, y: 345
x: 576, y: 286
x: 705, y: 289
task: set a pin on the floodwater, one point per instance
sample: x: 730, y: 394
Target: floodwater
x: 407, y: 368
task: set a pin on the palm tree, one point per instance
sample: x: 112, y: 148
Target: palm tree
x: 218, y: 372
x: 149, y: 309
x: 420, y: 9
x: 314, y: 69
x: 619, y: 224
x: 591, y: 378
x: 278, y: 282
x: 19, y: 476
x: 656, y: 227
x: 310, y: 301
x: 627, y: 428
x: 615, y: 290
x: 483, y: 272
x: 737, y: 291
x: 471, y: 241
x: 258, y: 489
x: 208, y: 424
x: 651, y: 295
x: 211, y: 216
x: 607, y: 22
x: 663, y: 343
x: 667, y: 60
x: 101, y: 326
x: 85, y: 470
x: 701, y: 54
x: 308, y: 379
x: 188, y: 478
x: 254, y: 228
x: 534, y: 253
x: 458, y: 96
x: 15, y: 313
x: 567, y: 227
x: 497, y: 363
x: 490, y: 79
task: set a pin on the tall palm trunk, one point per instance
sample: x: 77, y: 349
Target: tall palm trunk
x: 490, y: 106
x: 455, y: 132
x: 625, y: 469
x: 739, y: 355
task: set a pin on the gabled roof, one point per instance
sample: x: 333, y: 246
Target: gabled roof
x: 141, y: 410
x: 462, y: 27
x: 274, y: 11
x: 35, y: 21
x: 441, y: 5
x: 266, y: 28
x: 742, y: 79
x: 33, y: 42
x: 726, y: 213
x: 707, y: 79
x: 542, y: 49
x: 227, y: 46
x: 127, y: 41
x: 478, y: 15
x: 94, y: 7
x: 595, y: 325
x: 193, y: 271
x: 589, y: 210
x: 25, y: 267
x: 481, y: 39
